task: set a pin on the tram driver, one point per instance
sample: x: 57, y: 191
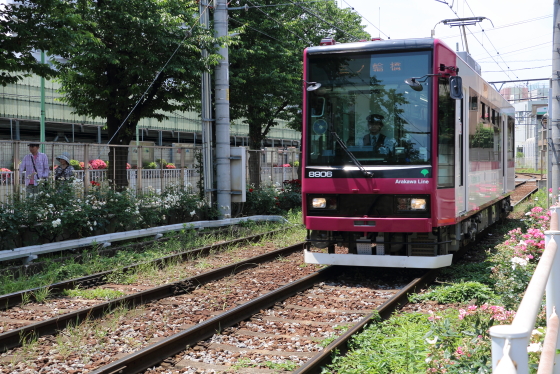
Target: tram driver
x: 383, y: 146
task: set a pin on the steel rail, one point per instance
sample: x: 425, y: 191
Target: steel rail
x: 526, y: 196
x: 10, y: 300
x: 156, y: 353
x: 12, y: 339
x: 340, y: 345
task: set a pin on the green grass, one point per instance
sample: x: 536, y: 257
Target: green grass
x: 387, y: 347
x: 406, y: 343
x: 94, y: 293
x: 92, y: 262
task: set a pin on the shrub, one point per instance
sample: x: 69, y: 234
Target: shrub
x: 98, y: 164
x: 463, y: 292
x: 162, y: 162
x: 77, y: 165
x: 150, y: 165
x: 460, y: 343
x: 290, y: 195
x: 262, y: 200
x: 4, y: 176
x: 170, y: 166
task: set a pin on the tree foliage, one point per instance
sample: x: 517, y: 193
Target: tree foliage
x: 124, y: 60
x: 27, y: 27
x: 266, y: 64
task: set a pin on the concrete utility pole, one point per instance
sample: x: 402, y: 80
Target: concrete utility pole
x: 43, y: 114
x: 206, y: 116
x: 222, y: 114
x: 554, y: 117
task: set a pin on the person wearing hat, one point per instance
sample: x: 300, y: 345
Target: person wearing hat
x: 65, y: 171
x: 381, y: 144
x: 36, y: 167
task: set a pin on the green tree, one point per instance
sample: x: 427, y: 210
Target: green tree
x: 127, y: 60
x: 266, y: 64
x: 26, y: 30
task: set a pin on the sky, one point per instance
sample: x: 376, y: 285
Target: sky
x: 513, y: 43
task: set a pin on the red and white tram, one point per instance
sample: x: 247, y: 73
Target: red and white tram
x: 407, y: 154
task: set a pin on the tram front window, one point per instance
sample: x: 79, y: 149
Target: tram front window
x: 364, y: 101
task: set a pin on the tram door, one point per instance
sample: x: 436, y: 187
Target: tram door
x: 461, y: 197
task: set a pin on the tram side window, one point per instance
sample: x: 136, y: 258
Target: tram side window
x: 446, y: 136
x: 474, y: 103
x: 511, y: 142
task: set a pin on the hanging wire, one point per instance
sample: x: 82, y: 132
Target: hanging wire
x: 363, y: 17
x: 328, y: 23
x: 187, y: 34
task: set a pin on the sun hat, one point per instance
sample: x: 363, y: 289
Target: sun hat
x: 64, y: 156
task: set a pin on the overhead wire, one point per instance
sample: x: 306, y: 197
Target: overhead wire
x: 522, y: 49
x: 535, y: 67
x: 501, y: 27
x: 328, y: 23
x: 482, y: 45
x: 363, y: 17
x: 466, y: 2
x: 157, y: 75
x: 254, y: 29
x: 278, y: 22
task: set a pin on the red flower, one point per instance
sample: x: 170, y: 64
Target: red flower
x: 250, y: 190
x: 277, y: 203
x: 94, y: 183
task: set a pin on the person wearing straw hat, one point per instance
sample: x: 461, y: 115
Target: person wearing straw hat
x: 64, y: 171
x: 36, y: 167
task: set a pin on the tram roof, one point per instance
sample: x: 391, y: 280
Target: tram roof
x: 378, y: 45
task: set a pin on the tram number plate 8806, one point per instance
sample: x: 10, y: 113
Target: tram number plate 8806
x: 320, y: 174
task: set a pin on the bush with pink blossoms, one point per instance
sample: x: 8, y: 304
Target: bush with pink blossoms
x: 5, y: 175
x: 98, y: 164
x: 460, y: 343
x: 531, y: 246
x: 170, y: 166
x: 538, y: 218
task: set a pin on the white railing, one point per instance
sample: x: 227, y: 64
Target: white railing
x: 152, y: 179
x: 510, y: 342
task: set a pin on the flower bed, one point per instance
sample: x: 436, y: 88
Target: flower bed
x: 62, y: 211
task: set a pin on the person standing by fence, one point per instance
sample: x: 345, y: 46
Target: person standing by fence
x: 65, y: 171
x: 36, y: 167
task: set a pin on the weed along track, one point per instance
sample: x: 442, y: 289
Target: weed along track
x: 128, y: 324
x: 155, y: 326
x: 149, y: 272
x: 284, y: 329
x: 47, y: 309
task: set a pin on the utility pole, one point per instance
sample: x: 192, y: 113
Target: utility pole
x: 222, y: 114
x: 208, y: 166
x: 554, y: 117
x: 43, y: 114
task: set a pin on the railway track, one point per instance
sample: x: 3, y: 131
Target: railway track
x: 260, y: 315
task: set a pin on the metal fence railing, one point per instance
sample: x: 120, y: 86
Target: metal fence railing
x: 149, y: 168
x: 509, y: 342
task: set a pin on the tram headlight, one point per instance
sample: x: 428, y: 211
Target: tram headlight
x: 319, y: 203
x: 418, y: 204
x: 408, y: 204
x: 322, y: 202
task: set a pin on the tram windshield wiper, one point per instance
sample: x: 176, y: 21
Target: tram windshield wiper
x: 366, y: 173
